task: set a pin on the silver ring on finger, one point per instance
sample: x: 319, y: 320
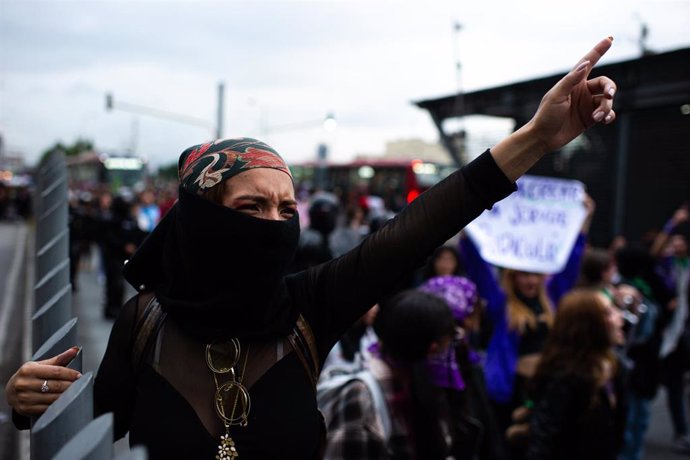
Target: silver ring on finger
x: 45, y: 388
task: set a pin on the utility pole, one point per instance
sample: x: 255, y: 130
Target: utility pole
x: 221, y: 101
x: 455, y: 142
x: 643, y: 37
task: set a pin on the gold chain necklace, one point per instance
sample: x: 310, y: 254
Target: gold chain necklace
x: 227, y: 449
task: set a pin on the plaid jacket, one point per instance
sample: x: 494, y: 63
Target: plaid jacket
x: 355, y: 430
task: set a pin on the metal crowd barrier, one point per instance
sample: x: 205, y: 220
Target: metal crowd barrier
x: 67, y: 429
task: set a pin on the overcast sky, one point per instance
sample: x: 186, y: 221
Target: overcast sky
x: 286, y: 62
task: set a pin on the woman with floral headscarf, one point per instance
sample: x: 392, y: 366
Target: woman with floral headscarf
x: 224, y: 374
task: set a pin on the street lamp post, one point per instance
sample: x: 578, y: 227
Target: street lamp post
x: 216, y: 129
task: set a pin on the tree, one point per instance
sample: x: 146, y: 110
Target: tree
x: 168, y: 172
x: 79, y: 146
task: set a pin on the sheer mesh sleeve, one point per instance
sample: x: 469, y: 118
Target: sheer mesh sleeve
x: 337, y: 293
x: 114, y: 386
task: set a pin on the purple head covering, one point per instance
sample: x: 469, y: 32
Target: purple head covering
x: 459, y: 293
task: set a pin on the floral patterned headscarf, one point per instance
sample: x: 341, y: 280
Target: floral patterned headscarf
x: 204, y: 166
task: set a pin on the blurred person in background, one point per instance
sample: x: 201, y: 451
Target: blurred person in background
x: 147, y: 213
x: 352, y: 350
x: 103, y: 215
x: 80, y: 233
x: 520, y: 309
x: 5, y: 201
x: 166, y: 199
x: 351, y: 233
x: 670, y: 249
x: 459, y: 371
x: 598, y: 270
x: 23, y: 202
x: 578, y: 392
x: 122, y: 235
x: 314, y: 242
x: 412, y: 326
x: 443, y: 262
x: 637, y: 269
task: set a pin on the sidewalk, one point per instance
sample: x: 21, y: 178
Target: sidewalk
x: 93, y: 328
x: 15, y: 244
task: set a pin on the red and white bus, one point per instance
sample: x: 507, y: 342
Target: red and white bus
x: 398, y: 182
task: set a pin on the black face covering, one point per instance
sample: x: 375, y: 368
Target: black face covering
x: 222, y: 270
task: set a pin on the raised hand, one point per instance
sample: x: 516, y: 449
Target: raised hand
x: 575, y: 103
x: 681, y: 215
x: 566, y: 110
x: 37, y: 384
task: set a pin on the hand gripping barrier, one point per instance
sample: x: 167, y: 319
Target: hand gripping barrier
x: 63, y: 419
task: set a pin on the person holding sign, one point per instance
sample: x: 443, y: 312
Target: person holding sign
x: 229, y: 370
x: 520, y: 307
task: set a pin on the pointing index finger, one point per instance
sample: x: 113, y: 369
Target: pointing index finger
x: 597, y: 52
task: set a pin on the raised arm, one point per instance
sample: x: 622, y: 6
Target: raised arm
x: 343, y: 289
x: 338, y: 292
x: 482, y: 274
x: 681, y: 215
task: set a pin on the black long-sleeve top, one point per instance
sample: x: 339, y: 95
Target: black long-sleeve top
x: 165, y: 404
x: 566, y: 424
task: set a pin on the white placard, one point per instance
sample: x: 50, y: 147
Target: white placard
x: 535, y: 228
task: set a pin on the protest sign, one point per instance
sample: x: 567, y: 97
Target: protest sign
x: 535, y: 228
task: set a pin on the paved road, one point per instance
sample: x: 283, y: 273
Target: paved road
x: 660, y: 433
x: 94, y: 331
x: 13, y: 286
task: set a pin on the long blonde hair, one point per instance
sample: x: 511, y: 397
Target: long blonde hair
x: 520, y: 316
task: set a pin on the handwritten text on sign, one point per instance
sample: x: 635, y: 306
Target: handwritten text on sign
x: 535, y: 228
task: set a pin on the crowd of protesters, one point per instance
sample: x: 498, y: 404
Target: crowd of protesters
x: 516, y: 365
x: 105, y: 230
x: 462, y: 360
x: 15, y: 202
x: 468, y: 360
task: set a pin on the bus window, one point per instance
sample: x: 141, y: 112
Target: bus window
x: 90, y: 170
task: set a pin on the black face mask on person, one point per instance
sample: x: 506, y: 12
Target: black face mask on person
x: 223, y: 271
x: 219, y: 273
